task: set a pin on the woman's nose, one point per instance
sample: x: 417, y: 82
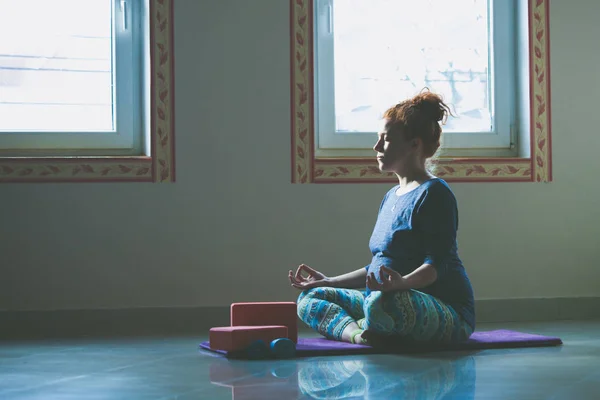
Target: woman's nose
x: 377, y: 145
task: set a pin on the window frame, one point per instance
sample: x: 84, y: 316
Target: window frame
x: 533, y: 163
x: 127, y: 136
x: 502, y: 65
x: 157, y: 162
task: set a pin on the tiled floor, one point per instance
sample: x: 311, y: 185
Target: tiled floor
x: 173, y: 368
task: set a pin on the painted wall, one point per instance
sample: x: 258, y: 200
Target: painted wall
x: 233, y: 225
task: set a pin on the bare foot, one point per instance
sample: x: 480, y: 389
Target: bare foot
x: 350, y: 329
x: 367, y: 336
x: 359, y: 339
x: 372, y: 338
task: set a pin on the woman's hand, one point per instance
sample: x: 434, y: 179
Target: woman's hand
x: 393, y: 280
x: 313, y: 280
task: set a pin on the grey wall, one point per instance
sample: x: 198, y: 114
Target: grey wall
x: 233, y: 224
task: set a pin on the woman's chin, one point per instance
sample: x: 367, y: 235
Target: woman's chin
x: 381, y: 165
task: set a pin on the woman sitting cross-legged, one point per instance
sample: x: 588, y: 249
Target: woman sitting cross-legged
x: 416, y: 286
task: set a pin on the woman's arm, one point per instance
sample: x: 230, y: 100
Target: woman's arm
x: 389, y: 279
x: 421, y: 277
x: 352, y: 280
x: 437, y: 224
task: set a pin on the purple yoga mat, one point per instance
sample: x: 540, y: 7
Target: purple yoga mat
x: 499, y: 339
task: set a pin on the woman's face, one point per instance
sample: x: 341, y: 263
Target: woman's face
x: 393, y: 149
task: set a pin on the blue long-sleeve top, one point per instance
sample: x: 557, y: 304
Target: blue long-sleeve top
x: 419, y: 227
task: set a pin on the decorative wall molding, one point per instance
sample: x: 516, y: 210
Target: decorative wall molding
x: 159, y: 166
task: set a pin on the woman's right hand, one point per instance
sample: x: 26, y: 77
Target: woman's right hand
x: 313, y: 280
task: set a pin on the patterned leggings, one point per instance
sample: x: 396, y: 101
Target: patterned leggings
x: 411, y: 314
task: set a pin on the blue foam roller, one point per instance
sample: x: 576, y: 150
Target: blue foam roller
x: 283, y: 348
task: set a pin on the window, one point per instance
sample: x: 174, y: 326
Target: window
x: 69, y: 76
x: 86, y: 90
x: 371, y: 54
x: 488, y: 58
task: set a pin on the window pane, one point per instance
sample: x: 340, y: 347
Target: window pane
x: 388, y: 50
x: 56, y: 70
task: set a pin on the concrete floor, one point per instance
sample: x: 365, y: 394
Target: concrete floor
x: 173, y: 368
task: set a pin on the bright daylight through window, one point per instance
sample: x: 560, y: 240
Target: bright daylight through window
x: 372, y: 54
x: 70, y: 75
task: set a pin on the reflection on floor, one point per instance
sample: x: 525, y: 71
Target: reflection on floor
x: 349, y: 377
x: 173, y: 368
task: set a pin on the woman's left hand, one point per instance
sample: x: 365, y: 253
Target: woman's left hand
x: 393, y: 280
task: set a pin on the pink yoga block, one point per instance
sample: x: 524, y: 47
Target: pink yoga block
x: 267, y: 313
x: 233, y: 338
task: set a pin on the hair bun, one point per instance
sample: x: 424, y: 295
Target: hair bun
x: 432, y: 105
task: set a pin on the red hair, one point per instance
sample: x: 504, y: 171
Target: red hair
x: 420, y: 117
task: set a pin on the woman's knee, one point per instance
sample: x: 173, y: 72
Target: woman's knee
x: 388, y: 301
x: 308, y: 296
x: 319, y: 293
x: 385, y: 311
